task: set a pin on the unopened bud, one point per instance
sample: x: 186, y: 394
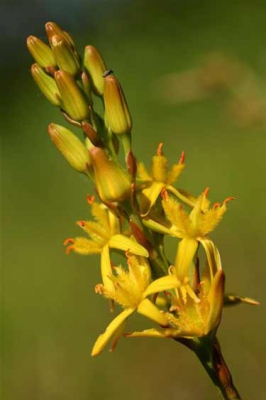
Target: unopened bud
x: 87, y: 86
x: 53, y: 29
x: 116, y: 109
x: 95, y: 66
x: 113, y: 183
x: 65, y: 57
x: 41, y: 52
x: 71, y: 147
x: 73, y: 99
x: 46, y: 84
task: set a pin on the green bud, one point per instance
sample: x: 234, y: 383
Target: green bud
x: 41, y: 52
x: 46, y: 84
x: 71, y: 147
x: 73, y: 99
x: 53, y: 29
x: 95, y: 66
x: 65, y: 57
x: 117, y: 113
x: 112, y: 181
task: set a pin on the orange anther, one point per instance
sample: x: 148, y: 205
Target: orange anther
x: 206, y: 191
x: 228, y: 199
x: 182, y: 158
x: 159, y: 150
x: 90, y: 199
x: 67, y: 241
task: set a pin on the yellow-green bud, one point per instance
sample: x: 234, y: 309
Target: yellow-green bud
x: 41, y: 52
x: 95, y: 66
x: 71, y: 147
x: 117, y: 113
x: 53, y: 29
x: 112, y: 181
x: 73, y: 101
x: 46, y: 84
x: 65, y: 57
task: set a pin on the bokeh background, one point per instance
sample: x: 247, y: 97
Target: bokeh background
x: 50, y: 314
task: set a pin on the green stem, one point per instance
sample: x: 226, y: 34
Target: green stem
x: 209, y: 353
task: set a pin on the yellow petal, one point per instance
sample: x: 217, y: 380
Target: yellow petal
x: 185, y: 253
x: 106, y: 269
x: 111, y: 329
x: 159, y: 285
x: 216, y: 299
x: 149, y: 197
x: 146, y: 333
x: 122, y: 242
x: 147, y: 308
x: 84, y: 246
x: 213, y: 256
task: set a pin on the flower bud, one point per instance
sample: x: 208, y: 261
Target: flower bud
x: 112, y: 181
x: 95, y: 66
x: 87, y: 86
x: 71, y: 147
x: 46, y: 84
x: 41, y: 52
x: 65, y: 58
x: 53, y: 29
x: 73, y: 99
x: 116, y: 109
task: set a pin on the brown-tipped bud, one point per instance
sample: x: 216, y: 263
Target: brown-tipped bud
x: 41, y: 52
x: 53, y: 29
x: 74, y: 103
x: 87, y: 86
x: 117, y: 113
x: 91, y: 134
x: 71, y: 147
x: 65, y: 57
x: 46, y: 84
x: 95, y: 66
x: 113, y: 183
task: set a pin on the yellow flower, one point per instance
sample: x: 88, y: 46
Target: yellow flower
x: 192, y: 228
x: 105, y: 234
x: 130, y: 289
x: 193, y: 316
x: 160, y: 178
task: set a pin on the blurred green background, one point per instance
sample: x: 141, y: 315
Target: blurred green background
x: 50, y: 314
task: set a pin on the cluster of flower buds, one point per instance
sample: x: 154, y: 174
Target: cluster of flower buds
x: 70, y: 84
x: 137, y: 209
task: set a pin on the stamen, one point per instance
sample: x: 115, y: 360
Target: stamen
x: 182, y: 158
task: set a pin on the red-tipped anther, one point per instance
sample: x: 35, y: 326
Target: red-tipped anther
x: 159, y: 150
x: 69, y: 249
x: 216, y: 205
x: 228, y: 199
x: 90, y: 199
x: 206, y: 191
x: 67, y: 241
x: 182, y: 158
x: 164, y: 194
x: 81, y: 223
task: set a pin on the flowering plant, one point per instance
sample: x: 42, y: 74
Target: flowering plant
x: 136, y: 209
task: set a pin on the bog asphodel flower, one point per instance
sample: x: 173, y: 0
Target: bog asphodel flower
x: 160, y: 178
x: 131, y: 290
x: 192, y: 316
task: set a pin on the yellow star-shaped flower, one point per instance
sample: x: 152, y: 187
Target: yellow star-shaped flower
x: 131, y: 289
x: 160, y: 178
